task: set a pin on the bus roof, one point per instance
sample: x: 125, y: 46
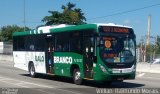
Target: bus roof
x: 75, y: 28
x: 64, y: 28
x: 58, y: 28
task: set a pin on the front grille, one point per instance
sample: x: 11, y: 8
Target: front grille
x: 119, y: 65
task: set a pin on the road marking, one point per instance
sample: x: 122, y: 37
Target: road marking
x: 24, y: 83
x: 45, y: 91
x: 151, y: 78
x: 6, y: 80
x: 13, y: 84
x: 70, y: 91
x: 21, y: 83
x: 45, y: 86
x: 141, y: 75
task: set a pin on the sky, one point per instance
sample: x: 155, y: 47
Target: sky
x: 132, y: 13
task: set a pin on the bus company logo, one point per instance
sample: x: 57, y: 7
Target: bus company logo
x: 39, y: 58
x: 67, y: 60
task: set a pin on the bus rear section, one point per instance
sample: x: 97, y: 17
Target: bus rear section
x: 116, y: 54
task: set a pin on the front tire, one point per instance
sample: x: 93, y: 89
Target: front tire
x: 32, y: 70
x: 77, y: 77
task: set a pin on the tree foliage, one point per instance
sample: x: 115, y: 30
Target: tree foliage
x: 158, y: 45
x: 69, y: 15
x: 7, y: 31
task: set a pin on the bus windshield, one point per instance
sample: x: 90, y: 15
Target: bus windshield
x: 117, y: 49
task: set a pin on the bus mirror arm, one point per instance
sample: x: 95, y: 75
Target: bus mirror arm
x: 95, y: 59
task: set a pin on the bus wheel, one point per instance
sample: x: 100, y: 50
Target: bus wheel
x: 32, y: 70
x: 76, y: 77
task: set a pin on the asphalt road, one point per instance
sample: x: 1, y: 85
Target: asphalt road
x: 16, y: 81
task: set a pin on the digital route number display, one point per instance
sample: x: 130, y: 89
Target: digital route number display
x: 114, y: 29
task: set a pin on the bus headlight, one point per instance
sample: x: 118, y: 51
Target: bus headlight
x: 103, y: 68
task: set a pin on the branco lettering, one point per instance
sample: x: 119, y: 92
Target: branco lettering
x: 65, y: 60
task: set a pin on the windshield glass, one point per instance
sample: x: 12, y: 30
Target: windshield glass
x: 116, y: 49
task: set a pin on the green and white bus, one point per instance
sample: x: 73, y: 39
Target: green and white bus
x: 99, y: 52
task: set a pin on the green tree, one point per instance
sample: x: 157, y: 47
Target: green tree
x: 69, y: 15
x: 7, y: 31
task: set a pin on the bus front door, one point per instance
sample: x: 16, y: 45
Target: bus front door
x: 88, y: 57
x: 49, y: 55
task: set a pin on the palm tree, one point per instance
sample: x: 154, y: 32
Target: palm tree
x: 70, y: 15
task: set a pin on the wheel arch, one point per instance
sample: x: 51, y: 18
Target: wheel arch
x: 74, y: 66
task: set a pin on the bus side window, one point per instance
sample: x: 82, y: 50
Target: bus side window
x: 20, y: 44
x: 62, y: 43
x: 75, y: 45
x: 59, y: 48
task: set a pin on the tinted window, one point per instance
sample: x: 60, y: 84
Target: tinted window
x: 62, y: 42
x: 76, y: 42
x: 29, y: 43
x: 18, y: 43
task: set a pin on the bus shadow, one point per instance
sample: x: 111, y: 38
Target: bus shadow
x: 114, y: 84
x: 88, y: 83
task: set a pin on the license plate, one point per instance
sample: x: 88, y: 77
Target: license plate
x: 116, y: 71
x: 121, y: 70
x: 126, y: 70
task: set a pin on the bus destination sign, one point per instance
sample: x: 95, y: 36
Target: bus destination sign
x: 114, y: 29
